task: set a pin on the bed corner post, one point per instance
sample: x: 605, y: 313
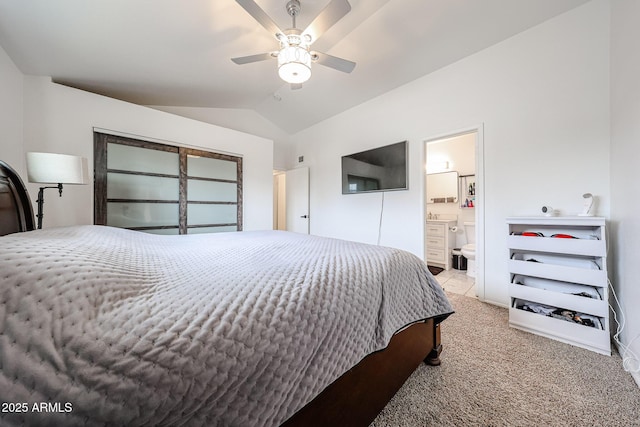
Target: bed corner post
x: 433, y: 358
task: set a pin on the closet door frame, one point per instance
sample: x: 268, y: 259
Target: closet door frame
x: 101, y: 200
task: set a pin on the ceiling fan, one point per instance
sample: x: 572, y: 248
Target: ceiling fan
x: 294, y: 56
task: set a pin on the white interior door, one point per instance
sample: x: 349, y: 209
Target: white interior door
x: 297, y: 196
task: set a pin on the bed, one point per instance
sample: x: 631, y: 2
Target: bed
x: 105, y: 326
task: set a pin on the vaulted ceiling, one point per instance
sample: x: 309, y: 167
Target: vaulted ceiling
x: 176, y: 53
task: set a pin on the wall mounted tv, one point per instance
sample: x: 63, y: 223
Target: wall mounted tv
x: 379, y: 169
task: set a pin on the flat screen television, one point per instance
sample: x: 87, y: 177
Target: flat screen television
x: 378, y: 169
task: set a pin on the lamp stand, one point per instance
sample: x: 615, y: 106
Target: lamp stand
x: 41, y: 202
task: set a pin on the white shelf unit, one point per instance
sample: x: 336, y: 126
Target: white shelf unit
x: 552, y: 271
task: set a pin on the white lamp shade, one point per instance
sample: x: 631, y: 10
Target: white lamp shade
x: 294, y: 64
x: 50, y: 168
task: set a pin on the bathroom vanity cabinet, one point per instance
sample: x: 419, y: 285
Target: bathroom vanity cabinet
x: 440, y: 241
x: 558, y: 279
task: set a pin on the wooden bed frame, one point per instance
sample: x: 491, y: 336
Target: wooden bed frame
x: 354, y: 399
x: 358, y: 396
x: 16, y: 211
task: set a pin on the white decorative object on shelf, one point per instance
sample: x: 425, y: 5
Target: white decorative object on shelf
x: 558, y: 279
x: 548, y: 211
x: 588, y: 206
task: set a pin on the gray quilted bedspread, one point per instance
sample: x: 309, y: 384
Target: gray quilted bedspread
x: 103, y: 326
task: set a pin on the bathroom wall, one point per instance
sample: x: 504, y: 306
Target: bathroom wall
x: 459, y: 153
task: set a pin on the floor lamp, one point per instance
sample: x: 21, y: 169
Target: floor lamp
x: 50, y: 168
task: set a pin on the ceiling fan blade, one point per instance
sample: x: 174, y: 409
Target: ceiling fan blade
x: 252, y: 58
x: 327, y: 18
x: 295, y: 86
x: 260, y: 16
x: 333, y: 62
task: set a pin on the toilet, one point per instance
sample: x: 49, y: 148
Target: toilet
x: 469, y: 250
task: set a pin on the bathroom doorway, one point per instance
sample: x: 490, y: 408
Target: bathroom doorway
x: 453, y: 210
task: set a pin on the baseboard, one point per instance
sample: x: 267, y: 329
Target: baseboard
x: 498, y: 303
x: 634, y: 375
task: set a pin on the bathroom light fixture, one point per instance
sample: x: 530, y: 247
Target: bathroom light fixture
x: 437, y: 166
x: 50, y: 168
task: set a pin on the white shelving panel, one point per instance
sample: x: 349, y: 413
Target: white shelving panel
x: 558, y: 272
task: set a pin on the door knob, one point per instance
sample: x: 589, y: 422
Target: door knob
x: 304, y: 216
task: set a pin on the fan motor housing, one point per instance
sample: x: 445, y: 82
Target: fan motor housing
x: 293, y: 7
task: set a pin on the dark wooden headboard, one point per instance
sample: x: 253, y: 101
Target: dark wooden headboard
x: 16, y: 212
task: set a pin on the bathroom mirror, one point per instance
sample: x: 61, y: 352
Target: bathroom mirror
x: 442, y: 187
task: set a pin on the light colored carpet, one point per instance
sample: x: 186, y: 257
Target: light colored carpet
x: 493, y: 375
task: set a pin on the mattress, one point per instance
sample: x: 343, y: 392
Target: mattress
x: 105, y: 326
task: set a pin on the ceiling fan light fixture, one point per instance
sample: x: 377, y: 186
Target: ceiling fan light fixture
x: 294, y: 64
x: 294, y: 56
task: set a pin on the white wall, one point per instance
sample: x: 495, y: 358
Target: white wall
x: 243, y: 120
x: 625, y: 154
x: 543, y: 97
x: 11, y: 106
x: 61, y: 119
